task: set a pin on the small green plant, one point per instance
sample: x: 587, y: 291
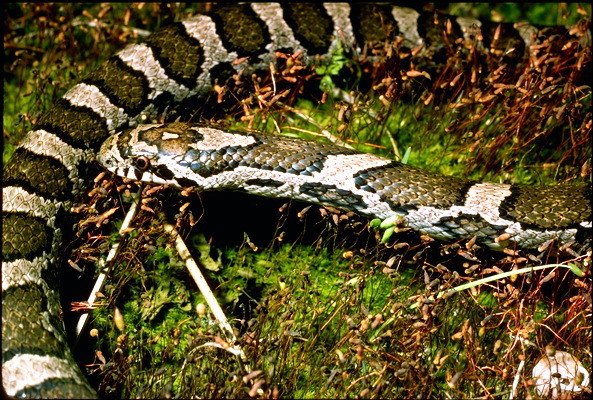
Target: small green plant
x: 339, y: 66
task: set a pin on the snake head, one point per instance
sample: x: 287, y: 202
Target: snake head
x: 128, y: 155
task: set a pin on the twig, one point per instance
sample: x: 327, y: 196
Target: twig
x: 219, y: 315
x: 105, y: 264
x: 516, y: 380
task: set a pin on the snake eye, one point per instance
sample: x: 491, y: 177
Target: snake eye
x: 142, y: 163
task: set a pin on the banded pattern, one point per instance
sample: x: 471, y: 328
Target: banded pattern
x: 444, y: 207
x: 47, y: 175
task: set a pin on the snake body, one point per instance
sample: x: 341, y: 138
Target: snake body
x: 47, y: 174
x: 443, y: 207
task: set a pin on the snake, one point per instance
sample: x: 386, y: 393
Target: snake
x: 444, y: 207
x: 103, y: 117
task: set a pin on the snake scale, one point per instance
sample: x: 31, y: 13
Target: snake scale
x: 47, y: 174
